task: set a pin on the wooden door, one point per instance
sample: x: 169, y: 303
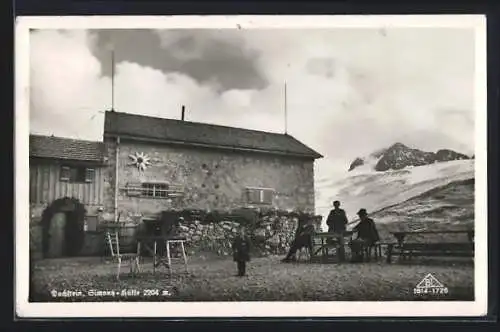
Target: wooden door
x: 56, y: 235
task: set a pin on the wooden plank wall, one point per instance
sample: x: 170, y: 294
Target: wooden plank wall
x: 45, y: 186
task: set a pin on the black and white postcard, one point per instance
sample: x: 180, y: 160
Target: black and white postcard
x: 251, y: 166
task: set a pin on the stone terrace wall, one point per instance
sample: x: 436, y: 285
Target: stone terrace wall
x: 273, y: 236
x: 270, y: 234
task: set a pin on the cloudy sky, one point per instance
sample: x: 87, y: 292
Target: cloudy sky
x: 350, y: 91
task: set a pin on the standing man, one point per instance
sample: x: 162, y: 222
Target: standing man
x: 337, y: 221
x: 367, y: 235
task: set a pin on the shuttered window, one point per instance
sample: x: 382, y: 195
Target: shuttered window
x: 260, y: 196
x: 134, y: 189
x: 65, y: 173
x: 267, y: 196
x: 89, y: 175
x: 253, y: 196
x: 77, y: 174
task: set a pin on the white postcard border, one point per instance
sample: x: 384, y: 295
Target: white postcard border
x: 244, y: 309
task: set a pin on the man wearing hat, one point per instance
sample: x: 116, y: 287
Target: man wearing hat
x: 367, y: 235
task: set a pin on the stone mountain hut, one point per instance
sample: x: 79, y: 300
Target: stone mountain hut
x: 146, y: 165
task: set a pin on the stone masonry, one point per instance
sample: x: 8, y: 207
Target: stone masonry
x: 211, y: 179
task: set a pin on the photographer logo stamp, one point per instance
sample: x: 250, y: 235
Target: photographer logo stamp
x: 430, y: 286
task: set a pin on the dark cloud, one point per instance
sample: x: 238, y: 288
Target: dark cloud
x: 363, y: 83
x: 321, y: 67
x: 205, y: 57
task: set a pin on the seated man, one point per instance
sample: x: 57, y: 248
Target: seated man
x: 302, y: 239
x: 367, y: 235
x: 302, y: 222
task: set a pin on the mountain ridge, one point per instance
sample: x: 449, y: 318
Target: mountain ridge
x: 376, y: 191
x: 399, y: 156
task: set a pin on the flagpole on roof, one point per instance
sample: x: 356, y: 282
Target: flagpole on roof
x: 286, y: 122
x: 112, y: 80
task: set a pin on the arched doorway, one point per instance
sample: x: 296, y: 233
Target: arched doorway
x: 63, y: 228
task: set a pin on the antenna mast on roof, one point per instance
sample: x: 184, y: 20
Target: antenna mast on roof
x: 112, y: 80
x: 286, y: 125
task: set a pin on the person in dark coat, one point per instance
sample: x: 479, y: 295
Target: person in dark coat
x: 367, y: 235
x: 174, y: 228
x: 241, y: 251
x: 337, y: 219
x: 302, y: 222
x: 302, y: 239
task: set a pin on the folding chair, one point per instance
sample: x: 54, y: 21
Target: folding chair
x: 180, y: 245
x: 375, y: 249
x: 114, y: 246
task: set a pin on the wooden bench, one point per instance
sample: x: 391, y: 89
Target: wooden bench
x: 408, y: 250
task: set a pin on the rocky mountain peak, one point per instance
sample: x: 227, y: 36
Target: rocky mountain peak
x: 378, y: 153
x: 446, y: 155
x: 397, y: 145
x: 356, y: 162
x: 399, y: 156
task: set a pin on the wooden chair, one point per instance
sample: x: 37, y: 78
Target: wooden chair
x: 114, y: 246
x: 181, y: 248
x: 374, y: 250
x: 303, y: 252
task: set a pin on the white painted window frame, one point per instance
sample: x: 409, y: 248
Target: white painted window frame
x: 172, y: 191
x: 261, y: 194
x: 67, y: 177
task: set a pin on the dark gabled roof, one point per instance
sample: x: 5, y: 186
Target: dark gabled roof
x: 201, y: 134
x: 66, y: 148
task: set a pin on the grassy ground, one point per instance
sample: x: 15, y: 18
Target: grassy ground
x: 213, y: 279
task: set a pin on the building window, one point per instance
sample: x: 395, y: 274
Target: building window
x: 260, y: 196
x: 155, y: 190
x: 91, y: 224
x: 77, y: 174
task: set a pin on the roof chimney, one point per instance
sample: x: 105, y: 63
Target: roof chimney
x: 183, y: 111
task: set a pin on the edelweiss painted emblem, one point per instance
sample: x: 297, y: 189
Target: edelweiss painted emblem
x: 140, y: 160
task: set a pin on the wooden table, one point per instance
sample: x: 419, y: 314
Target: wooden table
x: 147, y: 240
x: 405, y: 248
x: 325, y: 241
